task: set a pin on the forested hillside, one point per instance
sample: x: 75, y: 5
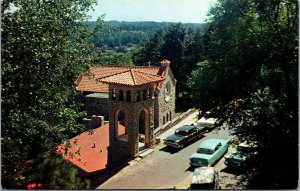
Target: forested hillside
x: 122, y: 36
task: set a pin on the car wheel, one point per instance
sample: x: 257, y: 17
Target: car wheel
x: 181, y: 146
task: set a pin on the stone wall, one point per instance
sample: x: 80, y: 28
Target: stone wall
x: 96, y: 106
x: 165, y: 108
x: 174, y: 122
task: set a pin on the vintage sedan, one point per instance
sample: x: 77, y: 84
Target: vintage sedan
x: 183, y: 135
x: 205, y: 178
x: 209, y: 152
x: 242, y: 156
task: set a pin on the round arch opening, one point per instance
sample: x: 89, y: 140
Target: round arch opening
x: 121, y: 124
x: 144, y: 129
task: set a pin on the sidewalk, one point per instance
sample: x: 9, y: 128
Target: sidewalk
x: 192, y: 118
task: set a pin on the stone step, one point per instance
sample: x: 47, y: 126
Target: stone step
x: 145, y: 152
x: 141, y: 146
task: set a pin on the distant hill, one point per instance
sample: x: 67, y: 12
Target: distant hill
x: 145, y: 25
x: 127, y: 34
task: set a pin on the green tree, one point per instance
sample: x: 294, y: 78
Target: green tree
x: 250, y: 77
x: 192, y: 54
x: 118, y: 58
x: 149, y: 51
x: 56, y: 173
x: 181, y: 44
x: 173, y: 49
x: 43, y: 50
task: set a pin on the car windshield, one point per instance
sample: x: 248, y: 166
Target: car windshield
x: 204, y: 151
x: 182, y: 133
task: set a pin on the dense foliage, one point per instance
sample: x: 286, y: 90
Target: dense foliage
x: 249, y: 77
x: 43, y: 50
x: 182, y: 45
x: 122, y: 36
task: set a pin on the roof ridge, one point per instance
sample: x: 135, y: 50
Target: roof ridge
x: 78, y: 79
x: 133, y: 78
x: 124, y: 66
x: 114, y: 74
x: 149, y: 73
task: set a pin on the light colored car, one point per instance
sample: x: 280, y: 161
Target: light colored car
x: 242, y: 156
x: 209, y: 152
x: 205, y: 178
x: 206, y: 123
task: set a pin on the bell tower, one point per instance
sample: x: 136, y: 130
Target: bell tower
x: 131, y: 113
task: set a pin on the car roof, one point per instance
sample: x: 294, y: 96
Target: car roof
x: 203, y: 175
x: 185, y: 127
x: 211, y: 143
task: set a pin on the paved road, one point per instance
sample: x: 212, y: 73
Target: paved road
x: 167, y: 167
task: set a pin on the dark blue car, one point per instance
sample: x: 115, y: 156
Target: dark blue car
x: 184, y: 135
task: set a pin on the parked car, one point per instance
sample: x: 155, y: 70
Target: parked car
x: 183, y: 135
x: 205, y: 178
x: 207, y: 123
x: 242, y: 156
x: 209, y: 151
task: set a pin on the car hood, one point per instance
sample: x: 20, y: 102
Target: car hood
x: 238, y: 156
x: 174, y: 138
x: 200, y: 156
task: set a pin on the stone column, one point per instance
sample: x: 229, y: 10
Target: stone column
x: 124, y: 95
x: 117, y: 94
x: 133, y: 131
x: 111, y: 93
x: 133, y: 96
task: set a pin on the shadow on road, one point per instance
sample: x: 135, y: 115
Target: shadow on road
x: 233, y: 171
x: 100, y: 178
x: 170, y: 150
x: 191, y: 169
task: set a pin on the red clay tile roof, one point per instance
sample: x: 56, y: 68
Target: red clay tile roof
x: 90, y: 159
x: 131, y: 77
x: 142, y: 75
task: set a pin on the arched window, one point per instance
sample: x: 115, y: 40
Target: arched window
x: 170, y: 115
x: 128, y: 96
x: 164, y: 120
x: 121, y: 96
x: 120, y: 126
x: 167, y: 117
x: 145, y: 94
x: 167, y: 91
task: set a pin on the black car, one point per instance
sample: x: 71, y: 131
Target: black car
x: 183, y: 135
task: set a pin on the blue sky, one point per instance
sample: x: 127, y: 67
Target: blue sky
x: 192, y: 11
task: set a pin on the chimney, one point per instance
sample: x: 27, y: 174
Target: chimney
x: 97, y: 121
x: 165, y: 63
x: 87, y: 123
x: 94, y: 122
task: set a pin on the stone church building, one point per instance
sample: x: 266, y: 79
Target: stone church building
x: 141, y: 98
